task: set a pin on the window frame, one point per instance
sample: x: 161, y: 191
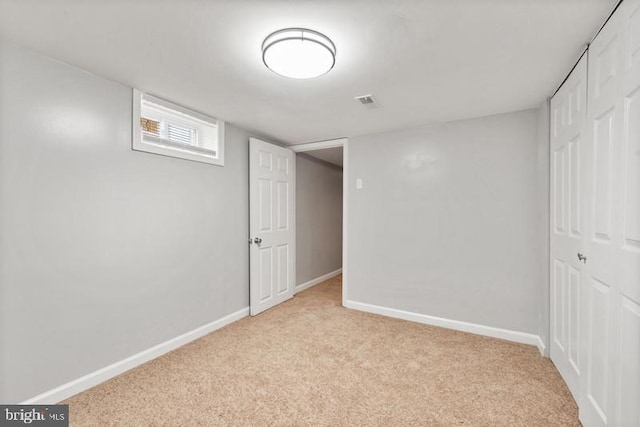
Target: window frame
x: 166, y: 148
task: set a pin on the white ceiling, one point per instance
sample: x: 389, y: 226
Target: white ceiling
x: 332, y: 155
x: 424, y: 60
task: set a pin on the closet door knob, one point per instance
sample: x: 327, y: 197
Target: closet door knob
x: 582, y: 258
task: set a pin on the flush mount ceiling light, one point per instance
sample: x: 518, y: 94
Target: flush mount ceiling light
x: 298, y: 53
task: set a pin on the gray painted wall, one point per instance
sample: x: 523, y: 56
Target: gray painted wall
x: 447, y: 223
x: 318, y: 218
x: 104, y: 252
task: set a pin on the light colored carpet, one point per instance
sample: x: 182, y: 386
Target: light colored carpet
x: 310, y: 361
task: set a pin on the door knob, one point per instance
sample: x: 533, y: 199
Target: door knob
x: 582, y: 258
x: 257, y: 240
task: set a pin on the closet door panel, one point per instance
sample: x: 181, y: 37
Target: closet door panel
x: 610, y: 387
x: 628, y: 408
x: 568, y: 118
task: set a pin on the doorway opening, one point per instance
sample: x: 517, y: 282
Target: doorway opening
x: 320, y: 213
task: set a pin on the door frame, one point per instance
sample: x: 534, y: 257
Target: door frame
x: 332, y: 143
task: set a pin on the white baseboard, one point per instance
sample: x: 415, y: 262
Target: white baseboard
x: 489, y: 331
x: 313, y: 282
x: 90, y: 380
x: 542, y: 347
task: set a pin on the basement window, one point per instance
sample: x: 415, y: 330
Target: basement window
x: 162, y: 127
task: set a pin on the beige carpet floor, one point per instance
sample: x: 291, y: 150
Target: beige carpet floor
x: 310, y: 361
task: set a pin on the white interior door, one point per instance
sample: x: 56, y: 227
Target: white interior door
x: 568, y: 120
x: 271, y: 224
x: 610, y: 388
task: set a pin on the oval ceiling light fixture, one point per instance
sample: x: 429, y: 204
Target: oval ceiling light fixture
x: 298, y: 53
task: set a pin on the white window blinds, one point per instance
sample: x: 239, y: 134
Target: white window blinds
x: 169, y: 129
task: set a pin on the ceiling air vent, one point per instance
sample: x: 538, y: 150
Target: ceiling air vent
x: 367, y: 100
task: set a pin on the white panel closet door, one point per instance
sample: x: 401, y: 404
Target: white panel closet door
x: 610, y: 387
x: 271, y: 225
x: 568, y: 120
